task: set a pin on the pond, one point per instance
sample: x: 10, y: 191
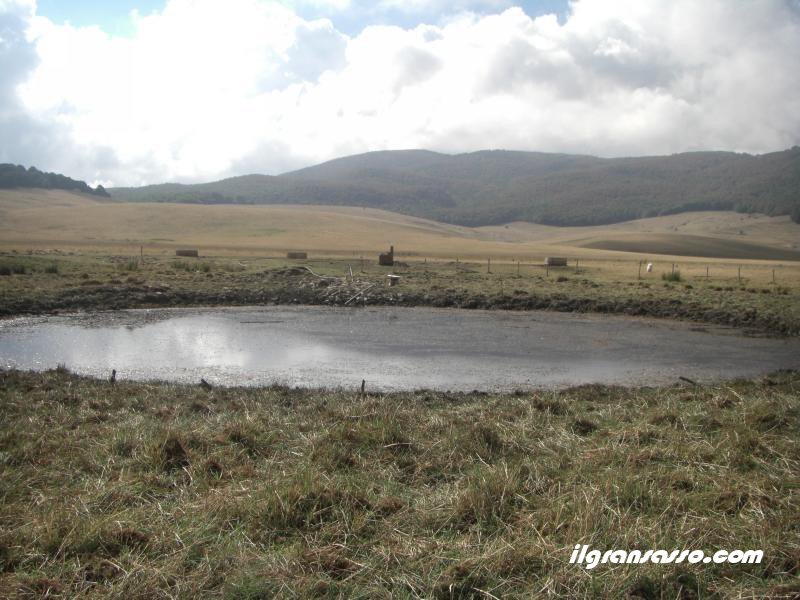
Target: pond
x: 390, y: 348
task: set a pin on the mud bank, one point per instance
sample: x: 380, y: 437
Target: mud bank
x: 296, y: 287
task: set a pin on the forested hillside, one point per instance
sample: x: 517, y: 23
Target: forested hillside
x: 491, y: 187
x: 17, y: 176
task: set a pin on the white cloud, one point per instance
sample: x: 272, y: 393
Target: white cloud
x: 336, y: 5
x: 442, y: 6
x: 203, y: 90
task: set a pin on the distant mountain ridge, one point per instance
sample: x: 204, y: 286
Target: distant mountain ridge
x: 17, y: 176
x: 498, y: 186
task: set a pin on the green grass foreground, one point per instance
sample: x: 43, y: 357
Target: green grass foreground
x: 147, y: 490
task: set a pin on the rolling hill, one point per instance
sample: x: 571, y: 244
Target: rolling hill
x: 36, y: 219
x: 495, y: 186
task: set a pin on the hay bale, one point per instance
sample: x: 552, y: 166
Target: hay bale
x: 297, y: 255
x: 555, y: 261
x: 193, y: 253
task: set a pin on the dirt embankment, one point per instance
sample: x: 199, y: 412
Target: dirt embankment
x: 297, y: 286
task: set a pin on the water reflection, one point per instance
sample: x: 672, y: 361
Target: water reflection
x: 390, y: 348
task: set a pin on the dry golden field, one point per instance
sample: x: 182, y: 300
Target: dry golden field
x: 47, y: 219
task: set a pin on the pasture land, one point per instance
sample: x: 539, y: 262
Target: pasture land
x: 142, y: 490
x: 155, y: 490
x: 46, y: 219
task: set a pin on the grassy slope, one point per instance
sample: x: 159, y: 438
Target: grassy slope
x: 36, y: 218
x: 155, y: 490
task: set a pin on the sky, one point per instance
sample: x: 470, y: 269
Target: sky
x: 133, y: 92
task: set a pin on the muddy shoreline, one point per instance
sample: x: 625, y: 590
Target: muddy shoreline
x: 319, y: 293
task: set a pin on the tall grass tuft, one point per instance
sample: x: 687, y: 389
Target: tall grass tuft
x: 672, y: 276
x: 129, y: 265
x: 12, y: 268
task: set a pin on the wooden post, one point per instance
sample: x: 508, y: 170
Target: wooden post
x: 547, y: 269
x: 639, y: 276
x: 673, y: 268
x: 350, y: 268
x: 773, y: 276
x: 363, y: 385
x: 517, y: 268
x: 488, y: 265
x: 577, y: 262
x: 141, y: 253
x: 740, y: 274
x: 707, y: 276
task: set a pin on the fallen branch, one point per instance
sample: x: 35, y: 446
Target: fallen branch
x: 371, y: 285
x: 687, y: 380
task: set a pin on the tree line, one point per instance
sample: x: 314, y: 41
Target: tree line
x: 17, y: 176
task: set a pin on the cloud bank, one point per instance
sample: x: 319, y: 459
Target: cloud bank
x: 203, y: 90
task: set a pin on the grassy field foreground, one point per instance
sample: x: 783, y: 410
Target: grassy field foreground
x: 145, y: 490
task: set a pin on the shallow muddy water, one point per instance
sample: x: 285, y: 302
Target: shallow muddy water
x: 391, y: 348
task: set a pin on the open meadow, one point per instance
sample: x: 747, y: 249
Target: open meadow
x: 54, y: 219
x: 157, y: 490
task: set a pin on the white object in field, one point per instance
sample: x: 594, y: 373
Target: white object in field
x: 649, y: 267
